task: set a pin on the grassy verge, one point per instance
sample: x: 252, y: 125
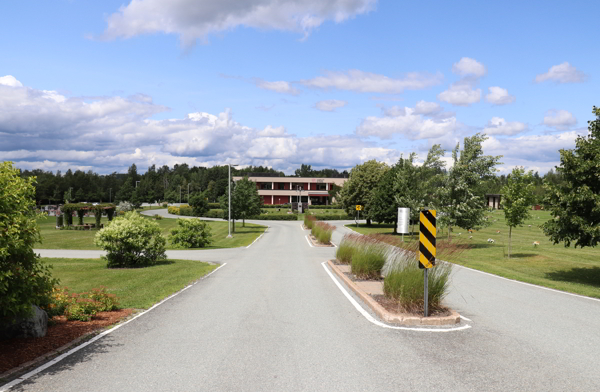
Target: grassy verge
x: 137, y: 288
x: 84, y: 239
x: 568, y: 269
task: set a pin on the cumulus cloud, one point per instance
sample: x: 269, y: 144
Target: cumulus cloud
x: 366, y: 82
x: 43, y: 129
x: 410, y: 125
x: 499, y: 126
x: 559, y: 119
x: 330, y: 105
x: 460, y: 94
x: 469, y: 67
x: 194, y: 20
x: 499, y: 96
x: 562, y: 73
x: 281, y: 87
x: 10, y: 81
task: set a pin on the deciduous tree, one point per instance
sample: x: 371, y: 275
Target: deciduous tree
x: 517, y: 197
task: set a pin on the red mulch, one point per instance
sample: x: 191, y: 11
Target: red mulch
x: 15, y: 352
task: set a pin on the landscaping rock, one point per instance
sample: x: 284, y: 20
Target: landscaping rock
x: 34, y: 326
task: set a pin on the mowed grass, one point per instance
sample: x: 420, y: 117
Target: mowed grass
x: 137, y: 288
x: 84, y: 239
x: 571, y: 269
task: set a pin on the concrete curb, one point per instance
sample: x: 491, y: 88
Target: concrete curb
x: 395, y: 318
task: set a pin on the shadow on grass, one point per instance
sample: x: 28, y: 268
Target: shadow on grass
x: 156, y: 264
x: 587, y: 276
x: 522, y: 255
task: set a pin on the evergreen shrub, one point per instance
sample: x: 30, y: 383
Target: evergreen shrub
x: 191, y: 233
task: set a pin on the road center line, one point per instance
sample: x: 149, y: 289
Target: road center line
x: 377, y: 322
x: 45, y: 366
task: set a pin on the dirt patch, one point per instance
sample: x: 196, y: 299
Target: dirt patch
x: 18, y: 351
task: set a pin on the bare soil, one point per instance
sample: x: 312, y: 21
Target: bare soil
x: 18, y: 351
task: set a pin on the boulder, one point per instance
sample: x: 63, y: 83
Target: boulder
x: 34, y: 326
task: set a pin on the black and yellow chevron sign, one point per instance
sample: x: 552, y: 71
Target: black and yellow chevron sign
x: 427, y: 239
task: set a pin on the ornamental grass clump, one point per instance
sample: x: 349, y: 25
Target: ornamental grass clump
x: 347, y: 248
x: 369, y: 258
x: 322, y: 232
x: 132, y: 241
x: 404, y: 282
x: 309, y: 221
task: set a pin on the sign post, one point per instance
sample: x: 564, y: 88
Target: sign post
x: 358, y: 208
x: 403, y: 221
x: 427, y: 235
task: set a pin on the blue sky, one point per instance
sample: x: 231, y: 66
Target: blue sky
x: 332, y: 83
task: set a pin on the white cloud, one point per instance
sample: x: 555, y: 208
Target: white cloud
x: 281, y: 87
x: 559, y: 119
x: 46, y: 130
x: 194, y: 19
x: 366, y: 82
x: 499, y: 96
x: 330, y: 105
x: 427, y: 108
x: 10, y: 81
x: 395, y: 111
x: 499, y: 126
x: 562, y: 73
x: 411, y: 125
x: 460, y: 94
x: 469, y: 67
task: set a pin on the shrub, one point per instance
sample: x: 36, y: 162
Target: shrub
x: 124, y: 206
x: 284, y: 206
x: 24, y: 279
x: 199, y: 204
x: 213, y: 206
x: 368, y: 259
x: 215, y: 213
x: 322, y: 232
x: 191, y: 233
x: 329, y: 207
x: 286, y: 217
x: 165, y: 205
x: 131, y: 241
x: 81, y: 306
x: 347, y: 248
x: 186, y: 210
x: 107, y: 302
x: 173, y: 210
x: 157, y: 217
x: 309, y: 221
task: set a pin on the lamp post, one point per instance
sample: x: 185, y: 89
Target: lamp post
x: 229, y: 188
x: 299, y: 189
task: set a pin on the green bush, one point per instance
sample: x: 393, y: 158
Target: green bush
x: 286, y: 217
x: 173, y: 210
x: 368, y: 260
x: 284, y: 206
x: 199, y: 204
x: 157, y: 217
x: 191, y: 233
x: 213, y: 206
x: 165, y: 205
x: 80, y: 306
x: 405, y: 284
x: 185, y: 210
x: 132, y: 241
x: 24, y: 279
x: 125, y: 206
x: 215, y: 213
x: 329, y: 207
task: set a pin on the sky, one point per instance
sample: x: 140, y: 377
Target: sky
x: 330, y: 83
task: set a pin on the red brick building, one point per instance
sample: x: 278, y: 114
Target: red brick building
x: 285, y: 190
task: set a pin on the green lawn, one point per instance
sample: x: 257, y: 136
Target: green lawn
x: 137, y: 288
x: 554, y: 266
x: 84, y: 239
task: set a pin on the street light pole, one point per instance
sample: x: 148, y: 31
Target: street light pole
x: 229, y: 188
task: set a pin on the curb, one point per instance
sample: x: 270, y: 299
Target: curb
x: 389, y: 317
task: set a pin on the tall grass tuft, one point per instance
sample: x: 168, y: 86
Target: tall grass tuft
x: 404, y: 282
x: 322, y: 232
x: 309, y: 221
x: 368, y: 258
x: 347, y: 248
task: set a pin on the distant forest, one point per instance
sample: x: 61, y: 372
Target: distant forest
x: 156, y: 184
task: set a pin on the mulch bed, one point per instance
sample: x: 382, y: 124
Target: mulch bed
x: 393, y: 307
x: 17, y: 351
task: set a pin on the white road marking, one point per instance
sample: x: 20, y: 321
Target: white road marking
x: 377, y: 322
x: 464, y: 318
x: 529, y: 284
x: 41, y: 368
x: 307, y: 240
x: 258, y: 237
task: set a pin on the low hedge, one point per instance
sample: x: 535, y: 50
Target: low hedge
x: 329, y: 207
x: 186, y: 210
x: 173, y: 210
x: 214, y: 213
x: 214, y: 206
x: 276, y: 206
x: 284, y: 217
x: 333, y: 217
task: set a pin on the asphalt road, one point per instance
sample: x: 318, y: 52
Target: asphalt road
x: 272, y: 319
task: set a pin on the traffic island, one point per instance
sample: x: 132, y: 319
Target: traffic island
x: 317, y: 244
x: 371, y: 290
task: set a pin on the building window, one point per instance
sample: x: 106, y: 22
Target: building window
x: 266, y: 185
x: 280, y: 186
x: 321, y: 187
